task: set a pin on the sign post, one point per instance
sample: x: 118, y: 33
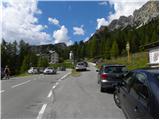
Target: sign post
x: 128, y: 49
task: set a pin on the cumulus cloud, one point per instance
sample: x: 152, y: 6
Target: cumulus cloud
x: 53, y: 21
x: 101, y: 22
x: 124, y: 7
x: 19, y: 22
x: 61, y: 35
x: 103, y: 3
x: 78, y: 30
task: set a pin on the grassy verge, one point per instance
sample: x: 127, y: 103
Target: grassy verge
x: 66, y: 64
x: 138, y: 60
x: 23, y: 75
x: 75, y: 73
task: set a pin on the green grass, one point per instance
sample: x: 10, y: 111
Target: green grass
x: 75, y: 73
x: 138, y: 60
x: 23, y: 75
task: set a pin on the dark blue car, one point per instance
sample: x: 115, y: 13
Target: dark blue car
x: 138, y: 94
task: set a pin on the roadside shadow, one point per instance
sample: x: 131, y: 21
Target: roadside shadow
x: 109, y: 91
x: 84, y: 70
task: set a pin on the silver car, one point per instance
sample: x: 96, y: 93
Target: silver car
x: 81, y: 66
x: 49, y: 70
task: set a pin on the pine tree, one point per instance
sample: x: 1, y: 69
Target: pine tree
x: 114, y: 50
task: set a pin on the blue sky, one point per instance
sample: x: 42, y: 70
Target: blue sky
x: 71, y: 14
x: 50, y: 22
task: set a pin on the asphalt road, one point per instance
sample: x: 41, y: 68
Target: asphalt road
x: 80, y: 97
x: 57, y: 96
x: 23, y: 97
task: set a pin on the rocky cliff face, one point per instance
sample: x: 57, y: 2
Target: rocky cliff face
x: 142, y: 16
x: 146, y: 13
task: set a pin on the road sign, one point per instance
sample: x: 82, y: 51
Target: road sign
x: 127, y: 46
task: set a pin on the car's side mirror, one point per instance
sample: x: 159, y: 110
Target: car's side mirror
x: 97, y: 70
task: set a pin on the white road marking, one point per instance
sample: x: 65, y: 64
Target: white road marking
x: 41, y: 111
x: 57, y: 83
x: 2, y: 91
x: 54, y: 87
x: 50, y: 93
x: 34, y: 79
x: 20, y: 84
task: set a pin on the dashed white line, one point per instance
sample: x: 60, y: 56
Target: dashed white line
x: 20, y: 84
x: 57, y: 83
x: 50, y: 93
x: 41, y: 111
x: 54, y: 87
x: 2, y: 91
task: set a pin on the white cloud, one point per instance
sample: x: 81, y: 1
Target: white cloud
x: 53, y: 21
x: 103, y: 3
x: 124, y: 7
x: 61, y: 35
x: 86, y: 39
x: 19, y: 22
x: 78, y: 30
x: 101, y: 22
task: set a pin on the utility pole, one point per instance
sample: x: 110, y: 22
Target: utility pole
x: 128, y: 49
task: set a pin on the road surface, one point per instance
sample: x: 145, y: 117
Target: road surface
x: 23, y: 97
x: 58, y: 97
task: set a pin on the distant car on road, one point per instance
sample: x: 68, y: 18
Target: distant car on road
x: 49, y: 70
x: 86, y: 64
x: 109, y: 75
x: 33, y: 70
x: 138, y: 94
x: 80, y: 66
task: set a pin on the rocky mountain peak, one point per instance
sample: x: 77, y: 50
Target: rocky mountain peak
x: 146, y: 13
x: 141, y: 16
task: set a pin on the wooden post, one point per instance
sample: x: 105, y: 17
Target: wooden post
x: 128, y: 49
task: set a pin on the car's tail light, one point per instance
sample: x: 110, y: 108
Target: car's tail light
x: 104, y: 76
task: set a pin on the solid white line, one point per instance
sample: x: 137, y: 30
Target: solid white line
x: 50, y: 93
x: 2, y: 91
x: 41, y: 111
x: 20, y: 84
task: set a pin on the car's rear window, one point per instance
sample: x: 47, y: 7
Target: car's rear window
x: 80, y: 63
x: 115, y: 69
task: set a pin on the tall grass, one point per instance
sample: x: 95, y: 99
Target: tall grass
x: 137, y: 60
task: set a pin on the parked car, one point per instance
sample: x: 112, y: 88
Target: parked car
x: 49, y: 70
x: 33, y: 70
x: 138, y: 94
x: 109, y: 75
x: 80, y: 66
x: 2, y: 73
